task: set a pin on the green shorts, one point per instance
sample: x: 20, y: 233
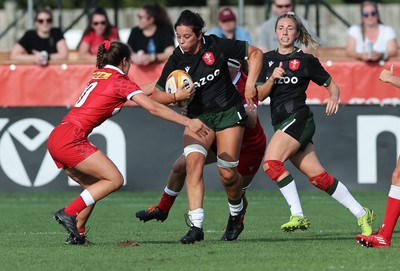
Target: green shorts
x: 235, y: 115
x: 300, y: 126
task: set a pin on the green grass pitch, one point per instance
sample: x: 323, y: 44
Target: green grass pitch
x: 30, y: 239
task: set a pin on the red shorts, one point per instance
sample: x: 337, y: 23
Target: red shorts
x: 68, y: 145
x: 250, y: 159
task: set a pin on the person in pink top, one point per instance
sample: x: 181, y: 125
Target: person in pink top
x: 102, y: 98
x: 99, y: 29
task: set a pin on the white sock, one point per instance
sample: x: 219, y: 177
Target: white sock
x: 235, y: 209
x: 394, y: 192
x: 343, y: 196
x: 197, y: 217
x: 170, y: 192
x: 291, y: 196
x: 87, y: 197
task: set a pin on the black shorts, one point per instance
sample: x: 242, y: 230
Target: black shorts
x: 300, y: 126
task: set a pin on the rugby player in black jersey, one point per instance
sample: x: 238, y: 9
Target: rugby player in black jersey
x: 284, y: 77
x: 218, y: 104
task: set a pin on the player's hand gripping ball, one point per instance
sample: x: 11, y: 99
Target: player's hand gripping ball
x: 175, y: 80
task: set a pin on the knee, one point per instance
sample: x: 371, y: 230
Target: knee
x: 274, y: 169
x: 228, y: 176
x: 117, y: 182
x: 323, y: 181
x: 228, y: 172
x: 179, y: 167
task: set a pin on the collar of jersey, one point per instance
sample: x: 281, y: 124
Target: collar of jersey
x: 108, y: 66
x: 295, y: 50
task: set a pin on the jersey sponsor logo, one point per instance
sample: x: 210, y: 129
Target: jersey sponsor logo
x: 294, y: 64
x: 187, y: 68
x: 208, y: 58
x: 208, y: 78
x: 270, y: 63
x: 101, y: 75
x: 286, y: 80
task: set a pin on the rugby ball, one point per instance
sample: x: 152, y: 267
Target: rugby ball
x: 175, y: 80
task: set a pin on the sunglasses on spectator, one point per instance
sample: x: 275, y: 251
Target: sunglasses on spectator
x: 97, y: 23
x: 372, y: 13
x: 283, y: 6
x: 49, y: 20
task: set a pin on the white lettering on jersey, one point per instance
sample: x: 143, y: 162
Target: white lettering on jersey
x: 285, y: 80
x: 208, y: 78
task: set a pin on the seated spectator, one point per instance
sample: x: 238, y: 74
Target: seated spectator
x: 99, y: 29
x: 267, y: 39
x: 372, y: 40
x: 43, y: 44
x: 153, y: 40
x: 228, y: 29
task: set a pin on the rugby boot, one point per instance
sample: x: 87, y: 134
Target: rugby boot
x: 194, y: 234
x: 153, y: 212
x: 234, y: 227
x: 296, y: 223
x: 68, y: 222
x: 366, y: 221
x: 374, y: 240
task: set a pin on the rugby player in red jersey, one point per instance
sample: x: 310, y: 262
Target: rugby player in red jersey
x: 68, y: 144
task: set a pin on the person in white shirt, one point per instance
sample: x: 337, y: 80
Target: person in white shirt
x: 372, y: 40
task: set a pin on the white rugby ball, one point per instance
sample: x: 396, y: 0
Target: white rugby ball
x: 175, y: 80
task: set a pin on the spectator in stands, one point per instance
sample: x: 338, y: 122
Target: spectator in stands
x: 99, y: 29
x: 267, y: 40
x: 153, y: 40
x: 372, y: 40
x: 42, y: 44
x: 228, y: 29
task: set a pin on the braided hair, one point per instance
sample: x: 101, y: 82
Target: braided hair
x: 112, y: 53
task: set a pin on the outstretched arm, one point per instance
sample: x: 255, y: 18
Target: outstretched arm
x: 162, y: 111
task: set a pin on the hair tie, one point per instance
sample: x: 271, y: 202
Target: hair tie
x: 107, y: 44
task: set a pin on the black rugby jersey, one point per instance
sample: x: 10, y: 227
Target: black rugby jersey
x: 288, y: 95
x: 209, y: 71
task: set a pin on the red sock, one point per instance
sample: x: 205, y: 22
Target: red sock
x: 75, y: 207
x: 166, y: 202
x: 391, y: 216
x: 82, y: 231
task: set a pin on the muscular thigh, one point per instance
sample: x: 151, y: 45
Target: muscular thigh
x: 307, y: 161
x: 281, y: 147
x: 99, y: 167
x: 229, y: 142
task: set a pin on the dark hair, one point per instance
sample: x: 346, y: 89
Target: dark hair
x: 159, y: 13
x: 99, y: 11
x: 114, y: 55
x: 304, y: 37
x: 46, y: 10
x: 191, y: 19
